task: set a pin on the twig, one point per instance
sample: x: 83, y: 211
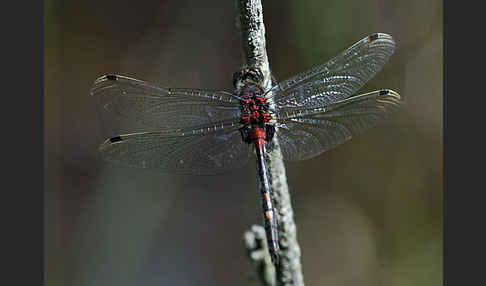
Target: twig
x: 257, y: 250
x: 249, y: 21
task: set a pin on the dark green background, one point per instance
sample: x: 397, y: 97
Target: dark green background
x: 368, y: 212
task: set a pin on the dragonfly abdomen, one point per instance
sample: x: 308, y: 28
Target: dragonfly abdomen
x: 269, y: 217
x: 271, y: 226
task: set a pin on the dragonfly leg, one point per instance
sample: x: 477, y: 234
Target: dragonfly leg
x: 269, y: 132
x: 245, y: 134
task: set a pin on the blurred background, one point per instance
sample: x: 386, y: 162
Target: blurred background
x: 368, y: 212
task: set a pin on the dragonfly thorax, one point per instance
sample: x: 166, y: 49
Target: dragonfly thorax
x: 254, y: 108
x: 255, y: 116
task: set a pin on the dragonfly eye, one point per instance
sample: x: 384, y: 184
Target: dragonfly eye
x: 251, y: 74
x: 237, y: 76
x: 255, y: 74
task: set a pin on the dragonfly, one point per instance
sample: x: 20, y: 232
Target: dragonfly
x: 203, y: 132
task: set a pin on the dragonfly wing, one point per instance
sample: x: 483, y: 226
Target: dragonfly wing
x: 339, y: 78
x: 164, y: 108
x: 202, y: 153
x: 308, y: 132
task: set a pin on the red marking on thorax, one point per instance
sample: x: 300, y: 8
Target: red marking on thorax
x: 253, y: 107
x: 255, y: 114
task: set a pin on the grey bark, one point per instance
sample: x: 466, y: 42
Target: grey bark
x: 249, y: 21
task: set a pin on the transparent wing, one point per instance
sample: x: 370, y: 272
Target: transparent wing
x: 199, y: 153
x: 308, y: 132
x: 337, y: 79
x: 164, y: 108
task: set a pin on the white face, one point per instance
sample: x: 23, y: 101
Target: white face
x: 247, y: 76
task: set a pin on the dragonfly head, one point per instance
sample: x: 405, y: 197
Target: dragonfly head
x: 247, y: 76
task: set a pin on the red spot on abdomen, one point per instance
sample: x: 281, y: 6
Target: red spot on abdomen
x: 258, y: 137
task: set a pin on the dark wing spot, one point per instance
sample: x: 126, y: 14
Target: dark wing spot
x: 373, y: 37
x: 384, y: 92
x: 115, y: 139
x: 111, y: 77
